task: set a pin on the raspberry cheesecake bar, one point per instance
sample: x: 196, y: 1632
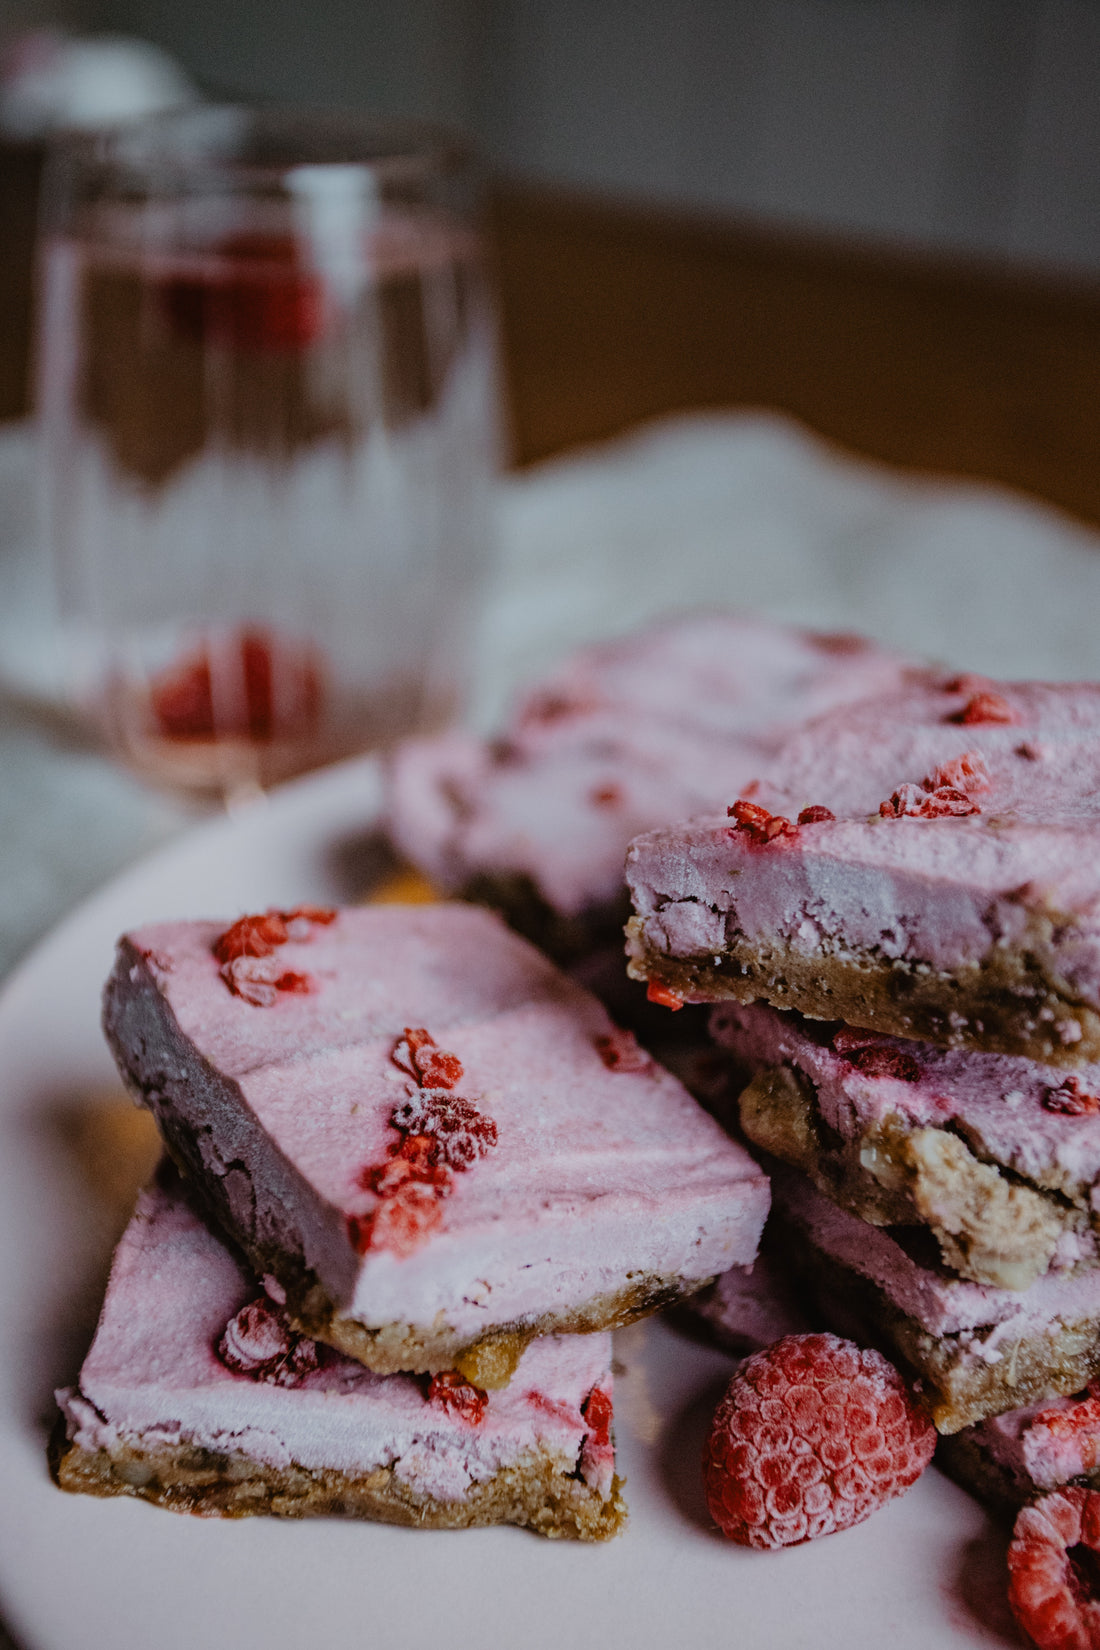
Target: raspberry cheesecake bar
x: 198, y: 1395
x: 925, y: 864
x: 1011, y: 1458
x: 998, y: 1156
x: 435, y: 1143
x: 977, y: 1350
x: 623, y: 737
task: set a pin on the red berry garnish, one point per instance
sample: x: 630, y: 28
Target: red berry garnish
x: 914, y: 802
x: 441, y: 1133
x: 251, y: 686
x: 251, y: 937
x: 1070, y: 1099
x: 255, y: 296
x: 419, y: 1054
x: 663, y: 994
x: 458, y: 1396
x: 813, y: 1435
x: 598, y: 1412
x: 757, y: 823
x: 967, y: 773
x: 260, y: 1343
x: 986, y: 707
x: 1050, y: 1587
x: 816, y: 816
x: 245, y: 951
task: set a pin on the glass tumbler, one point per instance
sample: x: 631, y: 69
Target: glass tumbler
x: 268, y: 431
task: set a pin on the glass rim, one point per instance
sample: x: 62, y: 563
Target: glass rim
x: 257, y: 146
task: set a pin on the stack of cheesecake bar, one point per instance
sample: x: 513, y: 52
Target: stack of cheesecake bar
x: 900, y: 927
x: 423, y: 1176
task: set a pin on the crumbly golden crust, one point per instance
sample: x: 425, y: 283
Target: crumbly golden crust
x: 534, y: 1492
x: 990, y: 1226
x: 1006, y: 1004
x: 1056, y: 1361
x: 488, y: 1362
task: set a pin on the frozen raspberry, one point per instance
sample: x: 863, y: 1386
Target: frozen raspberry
x: 1050, y: 1586
x: 419, y: 1054
x: 986, y: 707
x: 1070, y: 1099
x: 813, y: 1435
x: 260, y: 1343
x: 967, y: 773
x: 663, y: 994
x: 816, y: 816
x: 620, y: 1051
x: 259, y: 980
x: 458, y: 1396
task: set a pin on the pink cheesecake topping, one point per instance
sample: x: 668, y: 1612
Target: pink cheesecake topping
x: 185, y: 1353
x: 953, y: 840
x: 670, y: 722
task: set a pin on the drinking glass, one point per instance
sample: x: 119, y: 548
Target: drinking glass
x: 266, y: 384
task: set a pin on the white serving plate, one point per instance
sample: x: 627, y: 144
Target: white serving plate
x: 84, y: 1574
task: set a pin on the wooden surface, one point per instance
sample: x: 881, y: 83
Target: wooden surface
x: 612, y: 315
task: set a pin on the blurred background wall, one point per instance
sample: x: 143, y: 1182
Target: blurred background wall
x: 882, y: 216
x: 962, y: 125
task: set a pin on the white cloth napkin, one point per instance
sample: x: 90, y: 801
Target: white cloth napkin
x: 743, y: 509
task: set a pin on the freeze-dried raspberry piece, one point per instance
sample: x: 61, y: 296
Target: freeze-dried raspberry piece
x: 419, y: 1054
x: 259, y: 980
x: 388, y: 1178
x: 986, y: 707
x: 399, y: 1222
x: 620, y: 1051
x: 967, y: 773
x: 914, y: 802
x: 663, y: 994
x: 817, y: 815
x: 260, y: 1343
x: 599, y: 1414
x: 758, y: 824
x: 813, y: 1435
x: 906, y: 799
x: 255, y: 936
x: 1070, y: 1099
x: 458, y: 1396
x: 462, y: 1133
x: 1050, y: 1590
x: 946, y: 802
